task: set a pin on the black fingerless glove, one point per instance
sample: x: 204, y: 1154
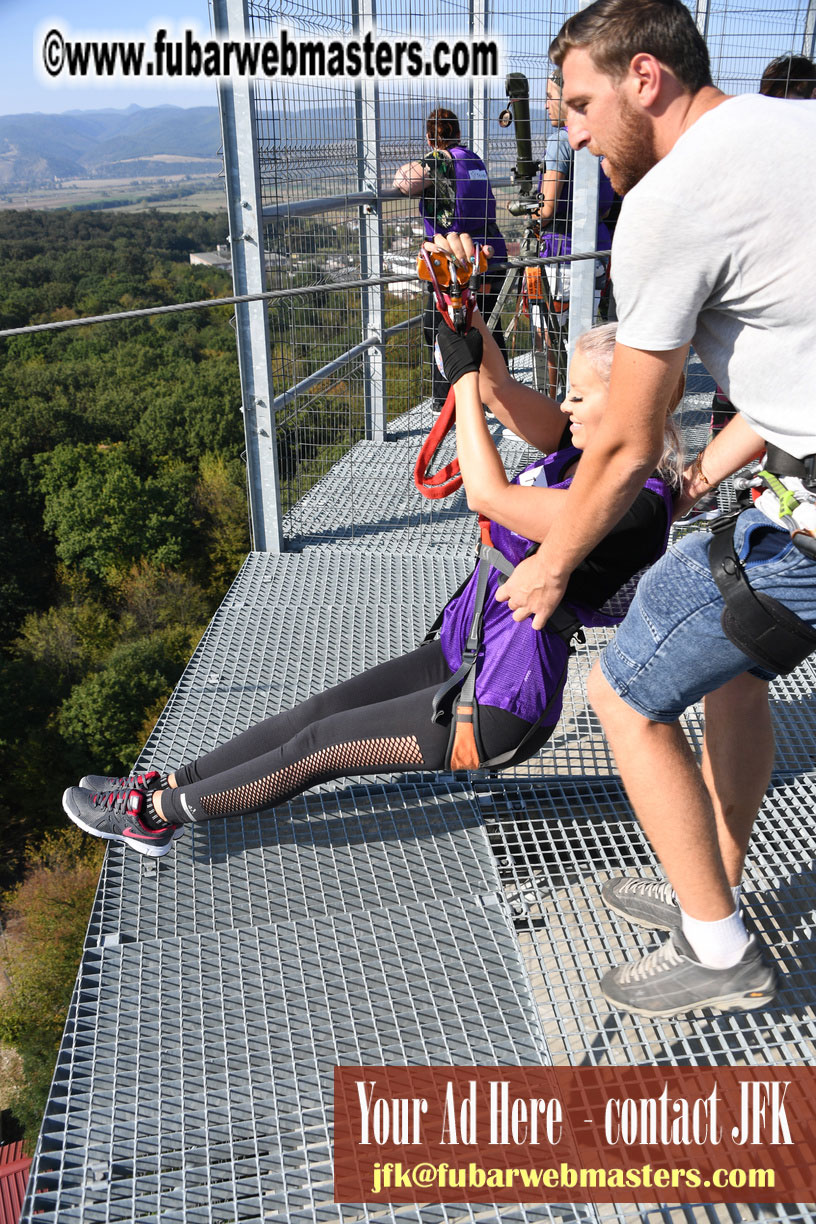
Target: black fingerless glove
x: 458, y: 355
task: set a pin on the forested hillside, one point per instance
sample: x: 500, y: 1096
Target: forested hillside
x: 123, y: 510
x: 108, y: 143
x: 122, y: 493
x: 124, y: 520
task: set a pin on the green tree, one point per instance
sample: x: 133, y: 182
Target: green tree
x: 105, y: 513
x: 45, y: 919
x: 221, y: 503
x: 101, y: 718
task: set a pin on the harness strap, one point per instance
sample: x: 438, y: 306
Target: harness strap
x: 456, y: 698
x: 456, y: 683
x: 782, y: 464
x: 447, y: 479
x: 762, y: 627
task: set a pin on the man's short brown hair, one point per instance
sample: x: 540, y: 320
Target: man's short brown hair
x: 789, y: 76
x: 613, y: 31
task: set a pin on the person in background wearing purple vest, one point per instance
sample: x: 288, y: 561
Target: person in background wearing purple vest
x: 382, y: 721
x: 454, y: 195
x: 555, y: 214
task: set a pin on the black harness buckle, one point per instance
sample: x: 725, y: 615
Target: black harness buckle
x: 762, y: 627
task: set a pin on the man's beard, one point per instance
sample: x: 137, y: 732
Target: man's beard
x: 633, y: 153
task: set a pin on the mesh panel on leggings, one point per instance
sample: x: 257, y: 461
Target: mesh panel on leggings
x: 393, y: 752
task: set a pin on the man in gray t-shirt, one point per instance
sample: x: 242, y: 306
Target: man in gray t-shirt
x: 702, y: 255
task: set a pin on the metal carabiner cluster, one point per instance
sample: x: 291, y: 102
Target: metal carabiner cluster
x: 453, y: 286
x: 786, y: 499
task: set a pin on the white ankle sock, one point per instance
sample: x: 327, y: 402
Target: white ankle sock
x: 719, y: 945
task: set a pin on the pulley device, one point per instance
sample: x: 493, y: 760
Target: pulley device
x: 453, y: 291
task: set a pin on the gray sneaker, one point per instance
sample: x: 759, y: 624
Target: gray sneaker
x: 671, y: 980
x: 646, y: 903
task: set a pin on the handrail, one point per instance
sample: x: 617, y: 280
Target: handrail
x: 320, y: 204
x: 143, y: 312
x: 273, y: 294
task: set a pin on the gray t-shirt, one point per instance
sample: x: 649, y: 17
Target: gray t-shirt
x: 716, y: 245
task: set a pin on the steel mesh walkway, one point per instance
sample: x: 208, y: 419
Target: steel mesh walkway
x: 419, y: 919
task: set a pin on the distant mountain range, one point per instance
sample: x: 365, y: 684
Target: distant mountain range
x: 141, y: 142
x: 137, y: 142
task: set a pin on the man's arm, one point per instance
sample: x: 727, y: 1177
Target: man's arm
x: 550, y: 190
x: 622, y: 454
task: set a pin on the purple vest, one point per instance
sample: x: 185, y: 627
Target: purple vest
x: 519, y: 667
x: 475, y: 207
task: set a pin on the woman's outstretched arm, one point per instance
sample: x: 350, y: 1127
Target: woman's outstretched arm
x: 524, y: 509
x: 534, y: 417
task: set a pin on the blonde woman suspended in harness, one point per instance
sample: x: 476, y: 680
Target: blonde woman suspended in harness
x: 400, y: 715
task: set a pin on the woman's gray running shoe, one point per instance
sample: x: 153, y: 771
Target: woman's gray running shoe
x: 647, y: 903
x: 671, y: 981
x: 116, y: 815
x: 148, y: 781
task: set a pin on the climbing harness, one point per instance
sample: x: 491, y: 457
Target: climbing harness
x: 456, y: 701
x: 762, y: 627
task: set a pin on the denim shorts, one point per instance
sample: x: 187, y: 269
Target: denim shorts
x: 671, y: 649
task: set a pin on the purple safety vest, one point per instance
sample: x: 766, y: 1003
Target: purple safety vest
x: 519, y: 666
x: 475, y: 208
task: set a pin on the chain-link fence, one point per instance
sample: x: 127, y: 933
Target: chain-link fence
x: 347, y: 364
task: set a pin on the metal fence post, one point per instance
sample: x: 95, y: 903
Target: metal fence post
x: 479, y: 17
x: 367, y: 134
x: 810, y: 30
x: 701, y: 16
x: 584, y: 238
x: 236, y: 99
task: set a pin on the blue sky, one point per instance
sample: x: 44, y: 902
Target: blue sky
x: 21, y: 90
x: 753, y: 34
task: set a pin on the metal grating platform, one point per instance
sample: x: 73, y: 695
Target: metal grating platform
x: 367, y: 498
x: 228, y: 1117
x: 556, y: 843
x: 417, y: 919
x: 266, y: 648
x: 317, y: 856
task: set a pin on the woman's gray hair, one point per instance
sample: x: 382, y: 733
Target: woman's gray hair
x: 598, y: 346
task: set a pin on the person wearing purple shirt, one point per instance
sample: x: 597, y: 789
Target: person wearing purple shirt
x: 453, y: 187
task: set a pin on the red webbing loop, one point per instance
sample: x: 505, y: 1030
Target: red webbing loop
x: 448, y: 479
x: 445, y: 481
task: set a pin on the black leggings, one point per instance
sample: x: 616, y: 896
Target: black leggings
x: 378, y: 722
